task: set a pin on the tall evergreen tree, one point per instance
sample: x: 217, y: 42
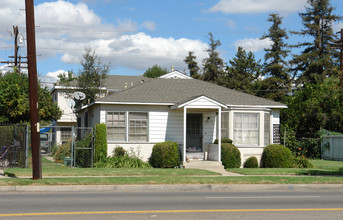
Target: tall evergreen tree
x: 276, y: 84
x: 318, y: 58
x: 241, y: 72
x: 92, y: 75
x: 213, y: 65
x: 192, y: 65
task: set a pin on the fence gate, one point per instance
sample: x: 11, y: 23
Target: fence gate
x: 332, y: 147
x: 13, y: 145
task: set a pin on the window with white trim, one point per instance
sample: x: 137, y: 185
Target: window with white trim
x: 246, y: 128
x: 116, y: 126
x: 266, y: 129
x: 138, y: 126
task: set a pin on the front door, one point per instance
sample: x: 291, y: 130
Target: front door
x: 194, y: 133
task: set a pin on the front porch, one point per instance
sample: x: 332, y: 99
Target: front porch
x: 201, y: 126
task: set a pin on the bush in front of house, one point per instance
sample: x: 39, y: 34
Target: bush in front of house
x: 62, y: 151
x: 100, y: 142
x: 165, y: 155
x: 277, y: 156
x: 224, y: 140
x: 302, y: 162
x: 231, y: 156
x: 122, y: 159
x: 251, y: 162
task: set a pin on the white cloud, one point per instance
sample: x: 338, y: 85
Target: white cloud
x: 149, y: 25
x: 67, y: 28
x: 231, y: 24
x: 50, y: 78
x: 337, y: 27
x: 257, y: 6
x: 253, y: 44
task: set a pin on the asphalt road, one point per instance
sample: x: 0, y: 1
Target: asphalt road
x: 172, y: 205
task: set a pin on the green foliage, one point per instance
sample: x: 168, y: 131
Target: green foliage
x: 302, y: 162
x: 231, y: 156
x: 122, y: 159
x: 155, y: 72
x: 165, y: 155
x: 241, y: 72
x: 62, y: 152
x: 224, y: 140
x: 192, y: 65
x: 92, y: 75
x: 100, y: 142
x: 309, y: 148
x: 119, y: 151
x: 276, y: 156
x: 251, y: 162
x: 213, y: 65
x: 66, y: 78
x: 83, y: 155
x: 14, y: 100
x: 315, y: 107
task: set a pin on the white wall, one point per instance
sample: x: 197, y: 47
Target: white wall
x: 61, y: 98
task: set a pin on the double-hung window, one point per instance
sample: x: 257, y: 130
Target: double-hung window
x: 116, y: 126
x: 246, y: 128
x: 138, y: 126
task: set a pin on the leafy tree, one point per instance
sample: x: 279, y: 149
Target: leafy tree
x: 155, y: 71
x: 14, y: 100
x: 276, y: 85
x: 241, y: 72
x: 318, y: 58
x: 315, y: 107
x: 192, y: 65
x: 65, y: 78
x: 92, y: 75
x: 213, y: 65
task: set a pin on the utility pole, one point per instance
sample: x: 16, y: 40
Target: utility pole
x: 33, y: 90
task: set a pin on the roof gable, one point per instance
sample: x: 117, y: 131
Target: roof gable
x: 175, y: 75
x: 200, y: 102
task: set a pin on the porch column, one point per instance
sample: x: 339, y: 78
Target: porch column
x: 219, y: 134
x: 184, y: 132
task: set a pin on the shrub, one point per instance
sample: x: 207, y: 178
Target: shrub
x: 127, y: 160
x: 100, y: 142
x: 251, y: 162
x: 165, y: 155
x: 119, y: 151
x: 231, y: 156
x: 276, y: 156
x: 62, y: 152
x: 224, y: 140
x: 302, y: 162
x: 83, y: 153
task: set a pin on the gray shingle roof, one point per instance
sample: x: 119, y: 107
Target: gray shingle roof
x: 176, y: 91
x: 115, y: 82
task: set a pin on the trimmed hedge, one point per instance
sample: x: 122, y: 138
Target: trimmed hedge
x: 224, y: 140
x: 165, y: 155
x: 277, y: 156
x: 231, y: 156
x: 100, y: 142
x: 251, y: 162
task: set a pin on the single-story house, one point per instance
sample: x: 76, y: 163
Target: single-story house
x: 192, y: 112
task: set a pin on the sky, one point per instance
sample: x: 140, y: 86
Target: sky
x: 134, y: 35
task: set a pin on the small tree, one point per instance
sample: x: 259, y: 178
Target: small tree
x: 92, y: 75
x: 192, y: 65
x: 155, y: 72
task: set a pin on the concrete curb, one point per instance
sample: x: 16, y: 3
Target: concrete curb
x: 177, y: 188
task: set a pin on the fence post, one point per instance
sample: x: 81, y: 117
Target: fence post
x: 72, y: 147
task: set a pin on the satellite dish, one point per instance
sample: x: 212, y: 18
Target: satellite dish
x: 79, y: 95
x: 70, y: 103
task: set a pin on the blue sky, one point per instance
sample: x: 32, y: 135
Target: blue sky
x: 134, y: 35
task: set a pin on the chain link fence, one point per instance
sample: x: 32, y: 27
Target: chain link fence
x: 14, y: 145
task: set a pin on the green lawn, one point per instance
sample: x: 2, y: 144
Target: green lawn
x: 321, y: 167
x: 54, y: 174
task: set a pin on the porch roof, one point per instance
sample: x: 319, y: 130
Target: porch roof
x: 199, y: 102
